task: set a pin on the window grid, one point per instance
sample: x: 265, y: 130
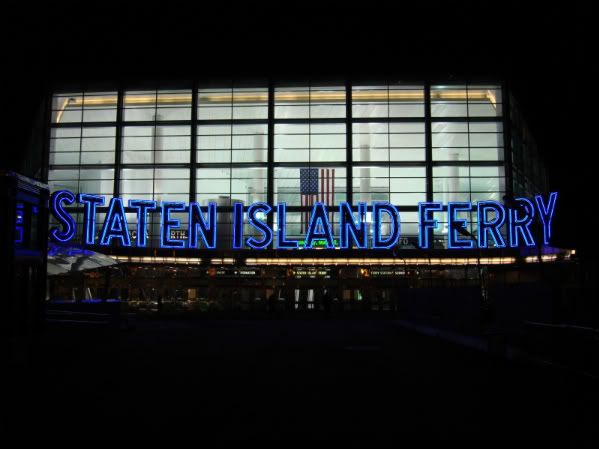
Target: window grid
x: 318, y: 110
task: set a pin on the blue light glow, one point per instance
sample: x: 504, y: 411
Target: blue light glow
x: 353, y: 230
x: 115, y: 224
x: 20, y: 211
x: 207, y: 228
x: 237, y: 225
x: 143, y: 207
x: 377, y: 239
x: 166, y: 223
x: 546, y: 214
x: 347, y: 226
x: 89, y: 226
x: 521, y: 225
x: 319, y: 219
x: 492, y: 227
x: 282, y: 241
x: 426, y: 225
x: 65, y: 219
x: 254, y: 209
x: 454, y: 224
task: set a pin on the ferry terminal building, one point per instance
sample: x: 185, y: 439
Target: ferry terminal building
x: 295, y: 143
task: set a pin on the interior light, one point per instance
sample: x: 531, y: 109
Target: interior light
x: 290, y: 97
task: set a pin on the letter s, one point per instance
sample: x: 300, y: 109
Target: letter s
x: 63, y: 217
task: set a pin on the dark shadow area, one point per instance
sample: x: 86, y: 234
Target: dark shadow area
x: 273, y: 383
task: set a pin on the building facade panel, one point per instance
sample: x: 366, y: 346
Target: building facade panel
x: 155, y: 147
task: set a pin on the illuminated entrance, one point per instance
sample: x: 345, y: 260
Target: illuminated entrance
x: 291, y: 197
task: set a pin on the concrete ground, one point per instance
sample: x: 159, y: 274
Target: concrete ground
x: 287, y: 383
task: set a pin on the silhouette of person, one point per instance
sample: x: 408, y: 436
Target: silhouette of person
x: 272, y: 299
x: 326, y: 303
x: 159, y: 305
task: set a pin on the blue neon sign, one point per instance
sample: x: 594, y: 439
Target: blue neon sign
x: 115, y: 225
x: 66, y: 220
x: 497, y: 225
x: 142, y: 208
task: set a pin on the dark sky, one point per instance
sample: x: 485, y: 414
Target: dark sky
x: 545, y: 54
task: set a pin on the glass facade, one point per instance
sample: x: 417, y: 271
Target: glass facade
x: 387, y: 142
x: 528, y: 175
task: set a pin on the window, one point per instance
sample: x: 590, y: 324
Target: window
x: 232, y: 143
x: 467, y: 141
x: 387, y: 101
x: 310, y: 142
x: 306, y: 185
x: 160, y: 184
x: 156, y: 144
x: 465, y: 183
x: 85, y: 107
x: 402, y: 186
x: 309, y: 102
x: 388, y: 154
x: 85, y: 146
x: 233, y: 104
x: 157, y: 105
x: 225, y: 186
x: 466, y: 101
x: 388, y: 142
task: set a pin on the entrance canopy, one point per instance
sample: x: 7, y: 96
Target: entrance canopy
x: 66, y: 259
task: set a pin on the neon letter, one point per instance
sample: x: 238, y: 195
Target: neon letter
x: 65, y: 219
x: 426, y: 224
x: 90, y: 201
x: 282, y: 241
x: 166, y: 223
x: 207, y: 230
x: 493, y: 226
x: 260, y: 225
x: 347, y: 226
x: 319, y: 217
x: 390, y: 209
x: 457, y: 225
x: 521, y: 225
x: 115, y: 224
x: 546, y: 214
x: 237, y: 225
x: 142, y: 206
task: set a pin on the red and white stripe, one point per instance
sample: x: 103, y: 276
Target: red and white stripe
x: 327, y: 186
x: 326, y: 195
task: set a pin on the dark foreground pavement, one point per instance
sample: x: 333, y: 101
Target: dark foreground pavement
x: 281, y: 383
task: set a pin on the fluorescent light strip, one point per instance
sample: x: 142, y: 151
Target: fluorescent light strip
x: 111, y: 100
x: 381, y: 261
x: 456, y: 261
x: 185, y: 99
x: 544, y: 258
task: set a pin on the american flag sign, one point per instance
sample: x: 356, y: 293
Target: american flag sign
x: 316, y: 185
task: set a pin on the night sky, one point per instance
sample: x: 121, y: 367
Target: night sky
x: 545, y: 54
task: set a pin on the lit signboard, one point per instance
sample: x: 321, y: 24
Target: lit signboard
x: 386, y: 272
x: 233, y: 272
x: 353, y: 228
x: 311, y: 272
